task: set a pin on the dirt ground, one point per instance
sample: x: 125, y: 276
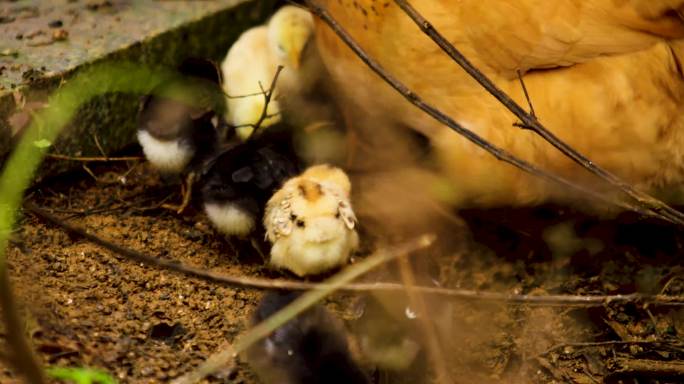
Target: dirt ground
x: 88, y: 307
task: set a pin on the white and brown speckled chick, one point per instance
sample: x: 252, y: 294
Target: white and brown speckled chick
x: 310, y: 222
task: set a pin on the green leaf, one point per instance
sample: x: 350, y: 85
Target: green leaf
x: 81, y: 375
x: 42, y: 143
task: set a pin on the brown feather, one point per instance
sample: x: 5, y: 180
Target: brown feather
x: 310, y: 190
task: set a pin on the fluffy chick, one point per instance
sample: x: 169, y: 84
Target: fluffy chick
x: 252, y: 61
x: 310, y: 348
x: 310, y: 222
x: 173, y: 134
x: 237, y: 183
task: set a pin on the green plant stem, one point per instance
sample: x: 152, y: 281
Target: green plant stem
x: 21, y: 166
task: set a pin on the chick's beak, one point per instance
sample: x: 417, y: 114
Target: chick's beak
x: 295, y: 57
x: 322, y: 230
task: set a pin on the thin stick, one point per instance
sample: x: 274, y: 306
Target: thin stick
x: 90, y: 172
x: 189, y: 182
x: 417, y: 301
x: 530, y: 121
x: 267, y: 100
x: 647, y: 367
x: 588, y: 344
x: 471, y: 136
x: 258, y: 283
x: 527, y: 95
x: 244, y: 96
x: 93, y: 158
x: 99, y: 147
x: 270, y: 115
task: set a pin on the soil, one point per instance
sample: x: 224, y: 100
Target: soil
x: 85, y: 306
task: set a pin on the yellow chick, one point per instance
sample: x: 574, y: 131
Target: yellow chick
x: 310, y: 222
x: 253, y: 60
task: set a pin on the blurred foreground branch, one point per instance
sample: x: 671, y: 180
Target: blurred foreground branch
x: 222, y: 358
x: 20, y: 356
x: 268, y: 95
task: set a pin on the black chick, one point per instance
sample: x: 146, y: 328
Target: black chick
x: 310, y: 348
x: 177, y: 137
x: 237, y: 183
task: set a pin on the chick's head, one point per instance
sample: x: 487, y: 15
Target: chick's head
x: 165, y: 133
x: 329, y: 175
x: 311, y: 225
x: 289, y: 31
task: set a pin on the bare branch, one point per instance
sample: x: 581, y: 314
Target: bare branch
x: 244, y: 96
x: 588, y: 344
x: 254, y: 125
x: 417, y: 301
x: 527, y: 95
x: 471, y: 136
x: 644, y: 200
x: 93, y: 158
x: 99, y: 146
x: 630, y: 367
x: 268, y: 95
x: 259, y: 283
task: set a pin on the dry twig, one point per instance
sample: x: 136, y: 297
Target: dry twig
x: 93, y: 158
x: 645, y: 367
x: 590, y: 344
x: 258, y: 283
x: 530, y: 122
x: 527, y: 95
x: 471, y: 136
x: 268, y: 94
x: 417, y: 301
x: 99, y: 146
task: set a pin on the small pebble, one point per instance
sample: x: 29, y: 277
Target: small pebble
x: 9, y: 52
x: 55, y: 24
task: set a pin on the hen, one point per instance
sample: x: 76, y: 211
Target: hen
x: 603, y: 75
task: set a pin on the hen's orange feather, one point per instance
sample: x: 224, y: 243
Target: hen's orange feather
x: 603, y: 75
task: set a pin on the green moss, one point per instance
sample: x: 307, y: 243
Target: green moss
x: 112, y: 117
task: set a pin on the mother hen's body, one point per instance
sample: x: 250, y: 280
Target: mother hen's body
x: 603, y: 75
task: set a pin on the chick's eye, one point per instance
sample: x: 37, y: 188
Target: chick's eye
x: 299, y: 222
x: 281, y: 48
x: 337, y: 215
